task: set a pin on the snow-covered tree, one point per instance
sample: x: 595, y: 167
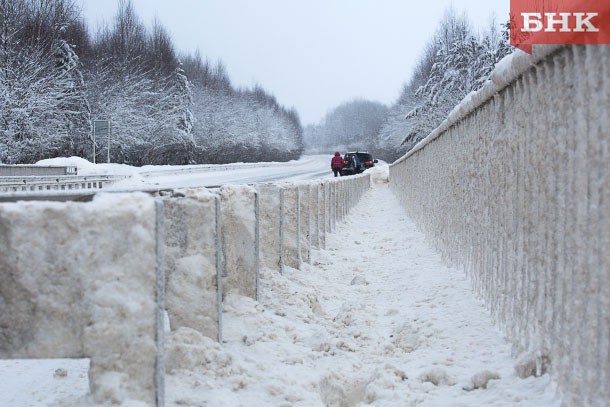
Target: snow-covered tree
x: 456, y: 61
x: 161, y: 112
x: 173, y: 142
x: 75, y: 104
x: 353, y: 125
x: 44, y: 111
x: 183, y: 101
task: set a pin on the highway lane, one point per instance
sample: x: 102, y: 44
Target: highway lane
x: 159, y: 178
x: 306, y: 168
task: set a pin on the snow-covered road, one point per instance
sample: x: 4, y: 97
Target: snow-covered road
x: 305, y: 168
x: 125, y: 178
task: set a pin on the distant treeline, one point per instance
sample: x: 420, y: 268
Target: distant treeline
x: 56, y: 78
x: 455, y: 62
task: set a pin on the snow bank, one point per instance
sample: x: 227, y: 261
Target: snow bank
x: 85, y: 167
x: 514, y: 187
x: 379, y: 173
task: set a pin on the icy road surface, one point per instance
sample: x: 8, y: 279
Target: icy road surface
x: 165, y: 177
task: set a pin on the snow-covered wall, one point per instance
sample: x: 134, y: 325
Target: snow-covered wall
x: 96, y: 279
x: 515, y: 188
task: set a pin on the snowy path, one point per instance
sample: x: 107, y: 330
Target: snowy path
x: 376, y: 320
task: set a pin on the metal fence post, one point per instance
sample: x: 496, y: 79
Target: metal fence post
x: 325, y: 217
x: 299, y: 257
x: 309, y: 240
x: 282, y: 230
x: 160, y: 306
x: 257, y: 241
x: 219, y: 267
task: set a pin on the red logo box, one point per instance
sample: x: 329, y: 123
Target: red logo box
x: 559, y: 22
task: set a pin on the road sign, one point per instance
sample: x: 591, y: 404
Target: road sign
x: 101, y: 128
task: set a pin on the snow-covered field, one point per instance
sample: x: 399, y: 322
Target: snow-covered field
x: 377, y: 319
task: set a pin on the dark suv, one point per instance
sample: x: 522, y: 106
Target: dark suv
x: 366, y: 161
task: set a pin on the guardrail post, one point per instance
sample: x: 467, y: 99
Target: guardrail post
x: 298, y: 209
x: 257, y: 241
x: 318, y: 239
x: 160, y: 309
x: 321, y: 187
x: 282, y: 226
x: 219, y: 266
x: 335, y: 185
x: 309, y: 238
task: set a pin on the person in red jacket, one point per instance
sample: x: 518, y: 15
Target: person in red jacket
x: 336, y: 164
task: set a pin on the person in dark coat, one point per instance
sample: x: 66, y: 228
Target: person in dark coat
x: 352, y: 164
x: 336, y: 164
x: 357, y: 164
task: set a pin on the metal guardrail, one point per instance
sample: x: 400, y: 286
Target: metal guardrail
x: 190, y: 169
x: 24, y: 170
x: 12, y: 188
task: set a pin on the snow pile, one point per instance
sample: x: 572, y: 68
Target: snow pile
x: 85, y: 167
x: 379, y: 174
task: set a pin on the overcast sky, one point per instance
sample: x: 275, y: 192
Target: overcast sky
x: 311, y: 54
